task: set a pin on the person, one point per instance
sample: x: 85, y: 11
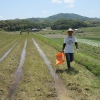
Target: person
x: 67, y: 48
x: 28, y: 32
x: 20, y: 32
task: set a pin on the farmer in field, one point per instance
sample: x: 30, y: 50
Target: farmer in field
x: 28, y: 32
x: 68, y: 46
x: 20, y: 32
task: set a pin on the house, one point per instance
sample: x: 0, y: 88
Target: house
x: 35, y: 30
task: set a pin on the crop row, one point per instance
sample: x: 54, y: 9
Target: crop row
x: 90, y: 42
x: 36, y: 82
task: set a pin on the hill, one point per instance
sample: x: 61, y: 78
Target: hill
x: 61, y: 16
x: 59, y: 21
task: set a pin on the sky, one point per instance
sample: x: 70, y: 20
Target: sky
x: 22, y: 9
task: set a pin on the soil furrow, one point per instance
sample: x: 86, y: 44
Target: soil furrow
x: 62, y: 93
x: 7, y: 52
x: 18, y: 73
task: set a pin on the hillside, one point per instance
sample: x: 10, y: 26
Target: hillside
x: 62, y: 16
x: 59, y: 21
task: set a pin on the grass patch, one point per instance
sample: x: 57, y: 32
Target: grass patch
x: 81, y: 82
x: 7, y: 69
x: 37, y: 83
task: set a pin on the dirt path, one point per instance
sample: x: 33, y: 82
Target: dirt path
x: 62, y: 93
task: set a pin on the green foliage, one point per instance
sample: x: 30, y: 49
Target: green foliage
x: 63, y: 16
x: 65, y: 24
x: 16, y: 25
x: 56, y: 22
x: 93, y: 23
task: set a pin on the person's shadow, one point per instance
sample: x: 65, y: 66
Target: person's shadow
x: 70, y: 71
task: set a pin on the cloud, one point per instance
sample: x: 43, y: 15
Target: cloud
x: 57, y: 1
x: 69, y: 3
x: 44, y: 11
x: 0, y: 16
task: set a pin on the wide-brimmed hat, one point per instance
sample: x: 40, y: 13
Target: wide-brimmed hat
x: 70, y: 30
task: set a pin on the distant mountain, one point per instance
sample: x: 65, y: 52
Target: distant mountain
x: 62, y: 16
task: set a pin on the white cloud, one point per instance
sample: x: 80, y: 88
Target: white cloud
x: 69, y: 3
x: 44, y: 11
x: 0, y: 16
x: 57, y: 1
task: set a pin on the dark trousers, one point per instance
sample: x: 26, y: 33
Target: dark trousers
x: 69, y: 58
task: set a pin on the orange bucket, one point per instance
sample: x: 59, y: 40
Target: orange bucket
x: 60, y: 58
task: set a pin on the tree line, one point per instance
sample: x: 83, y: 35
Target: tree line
x: 18, y: 25
x: 25, y: 25
x: 65, y: 24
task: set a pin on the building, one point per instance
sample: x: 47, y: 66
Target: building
x: 35, y: 30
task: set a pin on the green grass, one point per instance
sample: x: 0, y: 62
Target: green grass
x: 91, y: 33
x: 81, y: 83
x: 86, y: 60
x: 37, y: 83
x: 7, y: 69
x: 52, y: 32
